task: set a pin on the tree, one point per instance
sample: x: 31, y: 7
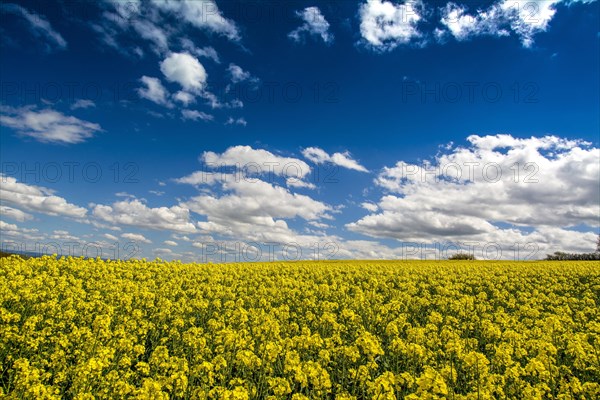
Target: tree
x: 462, y: 256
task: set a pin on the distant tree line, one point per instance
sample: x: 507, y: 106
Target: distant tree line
x: 562, y: 256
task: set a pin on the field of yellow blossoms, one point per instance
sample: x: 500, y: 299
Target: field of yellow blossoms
x: 90, y: 329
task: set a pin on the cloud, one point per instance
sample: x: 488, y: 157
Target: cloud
x: 385, y: 25
x: 170, y: 243
x: 370, y: 206
x: 184, y: 98
x: 136, y: 237
x: 254, y: 210
x: 47, y: 126
x: 463, y: 26
x: 196, y: 115
x: 153, y: 33
x: 236, y: 121
x: 314, y: 24
x: 37, y: 199
x: 38, y: 25
x: 202, y: 14
x: 207, y: 51
x: 63, y: 235
x: 110, y: 237
x: 83, y: 103
x: 497, y: 189
x: 238, y: 74
x: 185, y: 70
x: 154, y: 91
x: 249, y: 208
x: 257, y: 161
x: 14, y: 213
x: 293, y: 182
x: 160, y: 22
x: 319, y: 156
x: 528, y: 18
x: 524, y: 18
x: 14, y: 231
x: 135, y: 213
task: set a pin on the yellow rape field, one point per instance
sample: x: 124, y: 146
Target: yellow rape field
x: 91, y: 329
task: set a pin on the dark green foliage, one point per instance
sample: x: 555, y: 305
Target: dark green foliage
x: 462, y: 256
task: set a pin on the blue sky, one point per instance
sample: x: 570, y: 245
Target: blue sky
x: 352, y: 129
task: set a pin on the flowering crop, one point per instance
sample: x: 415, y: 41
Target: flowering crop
x: 83, y: 329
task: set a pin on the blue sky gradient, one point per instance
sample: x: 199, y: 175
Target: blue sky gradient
x: 367, y: 96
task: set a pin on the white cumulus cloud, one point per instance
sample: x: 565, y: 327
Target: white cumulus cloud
x: 499, y: 189
x: 384, y: 25
x: 185, y: 70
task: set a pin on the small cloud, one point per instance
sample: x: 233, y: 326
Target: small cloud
x: 385, y: 25
x: 15, y: 214
x: 47, y: 126
x: 125, y: 194
x: 196, y: 115
x: 314, y: 24
x: 345, y: 160
x: 207, y: 52
x: 83, y: 103
x: 238, y: 75
x: 170, y: 243
x: 110, y: 237
x: 136, y: 237
x: 238, y: 121
x: 372, y: 207
x: 294, y: 182
x: 154, y: 91
x: 185, y: 70
x: 184, y: 97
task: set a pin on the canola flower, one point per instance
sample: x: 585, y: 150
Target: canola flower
x: 74, y: 328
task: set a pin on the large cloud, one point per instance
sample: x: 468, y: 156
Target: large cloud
x: 496, y: 190
x: 250, y: 208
